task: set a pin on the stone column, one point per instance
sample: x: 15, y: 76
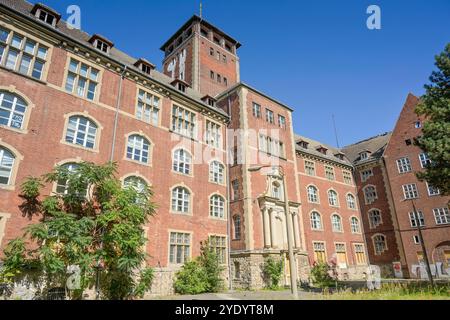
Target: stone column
x: 267, y: 233
x: 272, y: 228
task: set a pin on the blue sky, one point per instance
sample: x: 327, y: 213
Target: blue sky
x: 316, y: 56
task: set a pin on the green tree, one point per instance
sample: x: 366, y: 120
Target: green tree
x: 94, y: 222
x: 435, y: 106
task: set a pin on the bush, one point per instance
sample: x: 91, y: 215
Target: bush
x: 191, y: 279
x: 320, y: 275
x: 273, y: 271
x: 203, y: 275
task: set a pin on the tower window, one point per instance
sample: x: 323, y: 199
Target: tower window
x: 204, y: 33
x: 225, y: 81
x: 216, y: 40
x: 219, y: 78
x: 211, y: 51
x: 212, y: 75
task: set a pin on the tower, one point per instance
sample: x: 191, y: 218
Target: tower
x: 202, y: 56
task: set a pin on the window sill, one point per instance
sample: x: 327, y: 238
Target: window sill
x: 20, y: 131
x: 183, y: 214
x: 218, y: 219
x: 218, y: 183
x: 184, y: 136
x: 183, y: 174
x: 23, y: 75
x: 8, y: 187
x: 138, y: 162
x: 79, y: 147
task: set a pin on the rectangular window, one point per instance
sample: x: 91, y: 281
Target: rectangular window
x: 180, y: 247
x: 347, y: 177
x: 256, y: 110
x: 432, y: 191
x: 219, y: 246
x: 271, y: 146
x: 270, y: 116
x: 23, y: 55
x: 282, y: 122
x: 366, y: 174
x: 416, y: 239
x: 410, y: 191
x: 235, y: 186
x: 442, y: 216
x: 404, y: 165
x: 213, y: 134
x: 212, y: 75
x: 319, y: 252
x: 341, y: 255
x: 148, y: 107
x: 424, y: 160
x: 329, y: 173
x: 310, y: 168
x: 183, y: 122
x: 82, y: 79
x: 415, y: 218
x: 360, y: 254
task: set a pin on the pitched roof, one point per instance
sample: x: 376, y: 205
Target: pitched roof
x: 375, y: 145
x: 24, y: 8
x: 314, y: 145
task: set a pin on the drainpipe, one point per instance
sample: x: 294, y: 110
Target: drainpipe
x: 230, y: 218
x: 116, y: 118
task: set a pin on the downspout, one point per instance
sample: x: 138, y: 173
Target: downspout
x: 230, y: 218
x: 116, y: 118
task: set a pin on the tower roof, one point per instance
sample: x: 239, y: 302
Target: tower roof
x: 196, y: 18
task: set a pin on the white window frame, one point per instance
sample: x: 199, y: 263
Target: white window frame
x: 333, y: 198
x: 184, y: 122
x: 410, y: 191
x: 441, y: 216
x: 404, y: 165
x: 217, y: 207
x: 16, y: 117
x: 313, y: 197
x: 8, y: 168
x: 181, y: 200
x: 337, y: 225
x: 415, y: 217
x: 316, y: 221
x: 89, y: 134
x: 182, y: 161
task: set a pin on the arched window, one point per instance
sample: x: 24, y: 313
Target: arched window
x: 336, y: 223
x: 276, y: 190
x: 217, y: 207
x: 370, y: 194
x: 12, y: 110
x: 216, y: 172
x: 316, y: 221
x: 351, y: 201
x: 355, y: 226
x: 379, y: 243
x: 375, y: 218
x: 138, y: 148
x: 81, y: 131
x: 182, y: 161
x: 313, y: 194
x: 181, y: 198
x: 333, y: 198
x: 237, y: 227
x: 63, y: 185
x: 137, y: 183
x: 6, y: 165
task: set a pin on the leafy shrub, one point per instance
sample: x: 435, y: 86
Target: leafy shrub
x: 273, y: 271
x: 201, y: 275
x: 320, y: 275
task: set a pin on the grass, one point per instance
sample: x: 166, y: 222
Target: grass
x: 414, y: 291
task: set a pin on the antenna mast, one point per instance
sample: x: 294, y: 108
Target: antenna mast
x: 201, y: 9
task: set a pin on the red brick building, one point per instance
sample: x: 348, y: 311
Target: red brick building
x: 388, y: 186
x: 66, y: 97
x: 330, y: 210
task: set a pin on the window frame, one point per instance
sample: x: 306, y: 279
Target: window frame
x: 188, y: 160
x: 314, y: 221
x: 77, y: 75
x: 222, y: 179
x: 184, y: 233
x: 404, y: 165
x: 333, y: 225
x: 214, y: 206
x: 337, y: 203
x: 150, y: 149
x: 145, y: 105
x: 189, y: 200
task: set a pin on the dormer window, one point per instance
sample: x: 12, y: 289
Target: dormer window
x: 209, y: 100
x: 364, y: 155
x: 102, y: 46
x: 340, y: 156
x: 46, y: 14
x: 322, y: 150
x: 144, y: 65
x: 303, y: 144
x: 46, y: 17
x: 180, y: 85
x: 101, y: 43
